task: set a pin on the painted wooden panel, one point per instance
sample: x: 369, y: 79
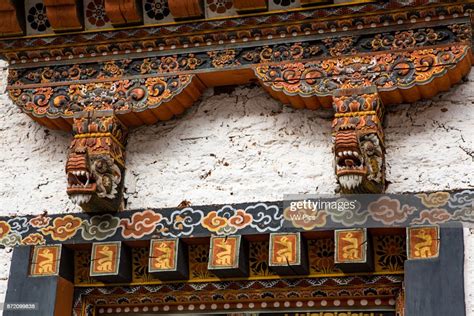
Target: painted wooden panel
x: 351, y: 246
x: 423, y: 242
x: 45, y: 260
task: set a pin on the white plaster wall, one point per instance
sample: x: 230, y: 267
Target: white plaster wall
x: 240, y: 147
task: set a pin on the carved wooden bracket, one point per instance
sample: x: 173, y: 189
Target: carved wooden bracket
x: 359, y: 86
x: 96, y: 161
x: 185, y: 9
x: 64, y: 15
x: 122, y: 12
x: 359, y: 150
x: 9, y: 19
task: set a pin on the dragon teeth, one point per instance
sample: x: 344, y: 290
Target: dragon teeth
x: 79, y: 199
x: 350, y: 181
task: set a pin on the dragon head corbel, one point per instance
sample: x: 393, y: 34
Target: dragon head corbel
x: 96, y: 161
x: 358, y: 141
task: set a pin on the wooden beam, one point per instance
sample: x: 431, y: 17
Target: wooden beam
x: 122, y: 12
x: 244, y: 6
x: 314, y: 2
x: 9, y: 19
x: 64, y: 15
x: 185, y: 9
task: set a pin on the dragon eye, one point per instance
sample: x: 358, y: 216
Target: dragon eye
x: 101, y: 166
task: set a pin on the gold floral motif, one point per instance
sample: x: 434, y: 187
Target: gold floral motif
x: 321, y: 257
x: 198, y: 261
x: 140, y: 266
x: 389, y: 253
x: 258, y: 259
x: 223, y: 58
x: 82, y: 262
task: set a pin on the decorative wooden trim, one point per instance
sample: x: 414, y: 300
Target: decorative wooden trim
x: 185, y: 9
x: 370, y: 211
x: 151, y: 99
x: 372, y: 292
x: 243, y: 6
x: 10, y: 19
x: 64, y: 15
x: 122, y: 12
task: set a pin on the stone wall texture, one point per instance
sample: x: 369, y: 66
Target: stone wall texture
x: 241, y: 146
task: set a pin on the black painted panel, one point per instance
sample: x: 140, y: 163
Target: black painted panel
x: 25, y: 289
x: 435, y: 287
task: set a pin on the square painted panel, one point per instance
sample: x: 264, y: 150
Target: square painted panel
x: 283, y: 4
x: 36, y: 20
x: 351, y: 246
x: 219, y: 8
x: 45, y: 261
x: 105, y: 258
x: 285, y: 249
x: 95, y: 16
x: 156, y: 11
x: 163, y: 255
x: 224, y: 252
x: 422, y: 242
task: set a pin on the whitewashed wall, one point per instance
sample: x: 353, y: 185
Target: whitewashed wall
x: 240, y: 147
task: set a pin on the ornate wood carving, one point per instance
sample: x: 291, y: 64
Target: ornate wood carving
x: 9, y: 19
x: 96, y: 161
x: 122, y: 12
x: 359, y: 150
x: 185, y: 9
x: 64, y: 15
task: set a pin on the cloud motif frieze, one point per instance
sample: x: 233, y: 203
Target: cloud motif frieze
x: 388, y: 210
